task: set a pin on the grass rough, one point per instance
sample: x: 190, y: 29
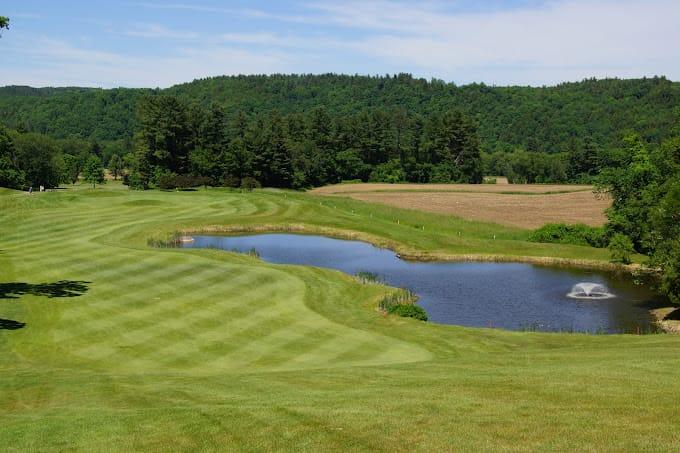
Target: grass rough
x: 177, y: 349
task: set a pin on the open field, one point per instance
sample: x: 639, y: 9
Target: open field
x: 125, y: 347
x: 519, y: 205
x: 477, y: 188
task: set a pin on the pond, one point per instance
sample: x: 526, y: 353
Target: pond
x: 512, y: 296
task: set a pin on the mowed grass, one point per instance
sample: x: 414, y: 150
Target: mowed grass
x: 169, y: 349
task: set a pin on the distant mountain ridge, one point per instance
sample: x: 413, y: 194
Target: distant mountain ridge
x: 535, y: 118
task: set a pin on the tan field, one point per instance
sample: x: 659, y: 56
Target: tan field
x: 520, y: 205
x: 483, y: 188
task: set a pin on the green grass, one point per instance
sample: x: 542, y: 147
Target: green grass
x: 172, y: 349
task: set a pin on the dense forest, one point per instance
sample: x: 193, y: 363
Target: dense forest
x: 333, y: 127
x: 550, y: 119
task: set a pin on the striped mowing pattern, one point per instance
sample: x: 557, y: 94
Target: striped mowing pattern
x: 204, y: 350
x: 168, y: 309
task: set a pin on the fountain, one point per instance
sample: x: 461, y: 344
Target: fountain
x: 588, y: 290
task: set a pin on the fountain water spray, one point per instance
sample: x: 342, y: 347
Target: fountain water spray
x: 588, y: 290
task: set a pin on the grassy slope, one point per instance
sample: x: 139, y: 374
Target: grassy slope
x: 206, y: 349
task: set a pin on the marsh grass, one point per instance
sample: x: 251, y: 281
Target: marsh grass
x: 369, y: 278
x: 654, y: 328
x: 402, y: 302
x: 171, y: 241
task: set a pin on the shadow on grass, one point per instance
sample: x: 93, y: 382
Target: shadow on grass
x: 63, y: 288
x: 673, y: 316
x: 8, y: 324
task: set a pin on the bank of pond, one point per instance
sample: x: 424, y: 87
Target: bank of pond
x: 513, y: 296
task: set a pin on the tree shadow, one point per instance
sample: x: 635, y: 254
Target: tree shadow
x: 62, y: 288
x: 653, y: 304
x: 673, y: 316
x: 8, y: 324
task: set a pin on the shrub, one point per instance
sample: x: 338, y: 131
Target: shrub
x: 173, y: 181
x: 204, y: 181
x: 403, y: 303
x: 166, y: 181
x: 249, y: 183
x: 231, y: 181
x: 390, y: 172
x: 621, y: 248
x: 576, y: 234
x: 135, y: 181
x: 409, y: 311
x: 488, y: 180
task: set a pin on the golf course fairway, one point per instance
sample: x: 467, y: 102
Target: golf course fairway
x: 109, y: 344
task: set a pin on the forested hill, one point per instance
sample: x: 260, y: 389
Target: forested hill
x: 537, y: 119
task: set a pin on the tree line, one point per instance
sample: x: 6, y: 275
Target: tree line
x: 535, y: 119
x: 179, y: 143
x: 33, y: 160
x: 176, y: 138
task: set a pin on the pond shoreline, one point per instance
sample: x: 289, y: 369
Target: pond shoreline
x: 533, y: 299
x: 670, y: 326
x: 409, y: 254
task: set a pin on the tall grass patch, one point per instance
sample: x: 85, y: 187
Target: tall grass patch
x: 403, y: 303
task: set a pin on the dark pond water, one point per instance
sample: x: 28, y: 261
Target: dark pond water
x: 511, y: 296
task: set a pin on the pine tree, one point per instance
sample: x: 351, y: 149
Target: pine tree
x: 274, y: 166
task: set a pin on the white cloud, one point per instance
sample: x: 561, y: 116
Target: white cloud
x: 57, y: 63
x: 252, y: 38
x: 556, y: 42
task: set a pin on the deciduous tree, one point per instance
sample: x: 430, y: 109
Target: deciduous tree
x: 93, y: 172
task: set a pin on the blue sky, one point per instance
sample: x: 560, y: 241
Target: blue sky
x: 160, y: 43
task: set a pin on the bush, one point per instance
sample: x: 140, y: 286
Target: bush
x: 249, y: 183
x: 231, y: 181
x: 409, y: 311
x: 135, y: 181
x: 403, y: 303
x: 577, y: 234
x: 204, y: 181
x: 390, y: 172
x: 621, y: 248
x: 172, y: 181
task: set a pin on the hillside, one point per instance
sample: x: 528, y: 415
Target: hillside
x: 538, y: 119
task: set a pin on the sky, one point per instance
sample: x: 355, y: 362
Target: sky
x: 161, y: 43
